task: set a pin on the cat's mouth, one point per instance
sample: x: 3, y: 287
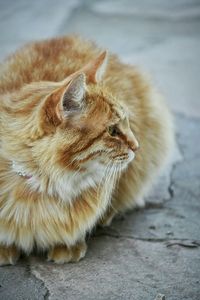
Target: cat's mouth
x: 124, y: 157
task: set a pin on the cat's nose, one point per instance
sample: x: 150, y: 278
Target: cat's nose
x: 133, y: 143
x: 134, y: 146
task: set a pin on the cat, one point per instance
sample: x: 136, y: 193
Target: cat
x: 83, y: 137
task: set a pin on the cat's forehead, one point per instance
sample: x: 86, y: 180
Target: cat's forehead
x: 121, y: 112
x: 117, y: 108
x: 106, y: 106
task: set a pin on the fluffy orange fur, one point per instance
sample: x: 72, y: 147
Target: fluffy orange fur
x: 71, y: 120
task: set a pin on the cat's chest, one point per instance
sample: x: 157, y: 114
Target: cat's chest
x: 34, y: 218
x: 70, y: 185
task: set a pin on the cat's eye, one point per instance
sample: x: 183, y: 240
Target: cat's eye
x: 113, y: 130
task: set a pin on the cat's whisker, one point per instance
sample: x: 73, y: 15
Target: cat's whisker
x: 102, y: 178
x: 107, y: 176
x: 111, y: 180
x: 76, y: 172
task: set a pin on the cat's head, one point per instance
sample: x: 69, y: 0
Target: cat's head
x: 74, y: 125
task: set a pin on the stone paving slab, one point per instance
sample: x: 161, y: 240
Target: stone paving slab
x: 17, y: 282
x: 149, y: 251
x: 123, y: 268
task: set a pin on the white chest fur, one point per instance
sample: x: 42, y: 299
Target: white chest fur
x: 72, y: 183
x: 67, y: 185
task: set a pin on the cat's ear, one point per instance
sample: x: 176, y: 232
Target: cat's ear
x: 95, y: 69
x: 64, y: 101
x: 72, y: 98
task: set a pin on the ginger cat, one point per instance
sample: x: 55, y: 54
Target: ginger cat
x: 83, y: 136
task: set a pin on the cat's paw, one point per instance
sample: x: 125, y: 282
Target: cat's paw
x: 63, y: 254
x: 8, y: 255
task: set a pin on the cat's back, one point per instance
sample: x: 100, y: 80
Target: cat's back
x: 55, y: 59
x: 49, y: 60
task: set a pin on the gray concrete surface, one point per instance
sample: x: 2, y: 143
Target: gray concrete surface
x: 157, y: 249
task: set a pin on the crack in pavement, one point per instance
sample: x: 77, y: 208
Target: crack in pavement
x: 39, y: 278
x: 30, y: 273
x: 183, y: 242
x: 46, y: 296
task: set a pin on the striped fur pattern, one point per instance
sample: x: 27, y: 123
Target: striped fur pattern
x: 72, y: 118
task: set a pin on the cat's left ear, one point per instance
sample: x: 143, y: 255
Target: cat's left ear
x: 66, y: 100
x: 71, y: 100
x: 95, y: 69
x: 71, y: 97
